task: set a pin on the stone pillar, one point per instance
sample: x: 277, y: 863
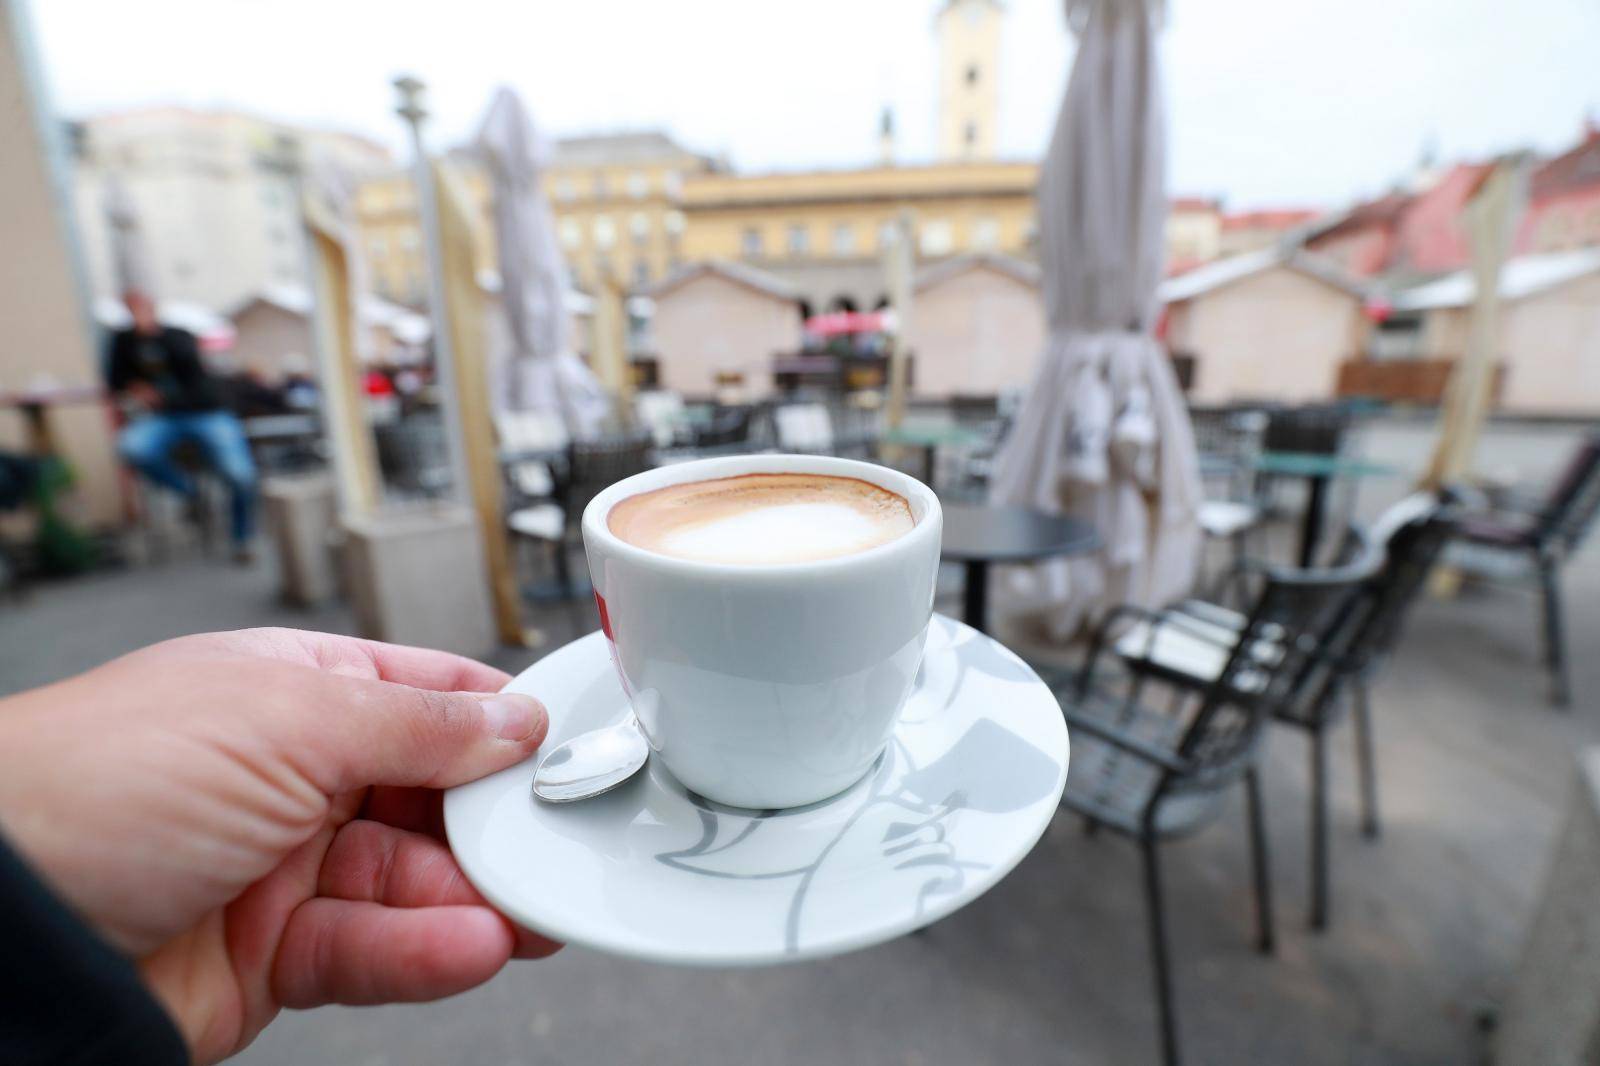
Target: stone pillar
x: 48, y: 337
x: 416, y: 577
x: 1552, y: 1014
x: 302, y: 520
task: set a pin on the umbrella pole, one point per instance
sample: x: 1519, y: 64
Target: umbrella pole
x: 411, y: 110
x: 899, y: 265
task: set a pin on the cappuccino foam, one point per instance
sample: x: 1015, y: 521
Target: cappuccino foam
x: 762, y: 518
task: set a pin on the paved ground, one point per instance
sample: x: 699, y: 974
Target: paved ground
x: 1051, y: 966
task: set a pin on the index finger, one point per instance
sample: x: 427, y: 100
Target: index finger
x: 437, y: 671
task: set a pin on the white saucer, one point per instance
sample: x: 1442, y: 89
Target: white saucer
x: 967, y: 786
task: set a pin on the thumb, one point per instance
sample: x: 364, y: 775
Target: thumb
x: 360, y: 732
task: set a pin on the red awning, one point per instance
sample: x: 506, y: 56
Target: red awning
x: 835, y: 323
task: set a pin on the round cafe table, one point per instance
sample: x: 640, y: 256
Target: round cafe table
x: 980, y: 535
x: 930, y: 438
x: 1318, y: 470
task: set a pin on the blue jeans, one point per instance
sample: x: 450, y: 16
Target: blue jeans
x: 147, y: 446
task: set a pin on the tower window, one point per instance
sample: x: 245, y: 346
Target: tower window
x: 972, y: 74
x: 969, y: 134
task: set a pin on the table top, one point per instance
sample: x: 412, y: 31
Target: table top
x: 976, y: 533
x: 51, y: 395
x: 1315, y: 464
x: 926, y: 435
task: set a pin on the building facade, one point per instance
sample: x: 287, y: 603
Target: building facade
x: 1266, y: 325
x: 977, y: 326
x: 616, y: 200
x: 969, y: 79
x: 823, y: 232
x: 215, y: 194
x: 1249, y: 231
x: 721, y: 319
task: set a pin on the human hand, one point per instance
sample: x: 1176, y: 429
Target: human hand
x: 251, y: 815
x: 144, y: 395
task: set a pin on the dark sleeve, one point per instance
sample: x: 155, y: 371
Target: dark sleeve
x: 118, y: 372
x: 66, y: 997
x: 184, y: 352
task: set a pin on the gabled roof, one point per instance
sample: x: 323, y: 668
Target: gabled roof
x: 738, y: 273
x: 1222, y: 272
x: 1522, y: 276
x: 407, y: 326
x: 1576, y: 168
x: 1020, y: 269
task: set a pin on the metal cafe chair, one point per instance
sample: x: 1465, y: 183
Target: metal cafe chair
x: 1412, y: 535
x: 1229, y: 439
x: 1546, y: 533
x: 804, y: 428
x: 591, y: 466
x: 1155, y: 775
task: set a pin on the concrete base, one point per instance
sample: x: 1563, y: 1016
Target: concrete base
x: 1553, y: 1013
x: 302, y: 516
x: 419, y: 578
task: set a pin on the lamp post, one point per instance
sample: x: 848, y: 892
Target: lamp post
x: 410, y: 108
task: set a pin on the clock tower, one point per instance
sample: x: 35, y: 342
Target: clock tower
x: 969, y: 74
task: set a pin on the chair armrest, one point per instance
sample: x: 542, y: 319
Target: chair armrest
x: 1140, y: 749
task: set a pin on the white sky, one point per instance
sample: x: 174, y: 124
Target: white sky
x: 1271, y: 102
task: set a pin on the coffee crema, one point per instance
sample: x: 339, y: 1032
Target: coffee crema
x: 757, y: 519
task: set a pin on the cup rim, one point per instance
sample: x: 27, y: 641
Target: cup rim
x: 595, y: 529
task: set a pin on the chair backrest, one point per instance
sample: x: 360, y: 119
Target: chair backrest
x: 661, y: 413
x: 1317, y: 429
x: 1228, y: 439
x: 803, y: 427
x: 727, y: 426
x: 597, y: 464
x: 1413, y: 533
x: 530, y: 431
x: 1297, y: 622
x: 1574, y: 499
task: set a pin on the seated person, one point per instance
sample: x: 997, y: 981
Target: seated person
x: 157, y: 370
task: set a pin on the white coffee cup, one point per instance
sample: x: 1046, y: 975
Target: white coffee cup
x: 770, y: 685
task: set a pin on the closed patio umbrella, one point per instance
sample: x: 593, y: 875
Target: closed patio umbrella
x: 1491, y: 216
x: 1103, y: 433
x: 131, y: 266
x: 536, y: 366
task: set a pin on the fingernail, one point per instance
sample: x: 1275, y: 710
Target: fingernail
x: 512, y: 716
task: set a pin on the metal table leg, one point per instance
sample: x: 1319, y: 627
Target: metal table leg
x: 975, y: 596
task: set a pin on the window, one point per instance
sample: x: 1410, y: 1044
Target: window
x: 638, y: 185
x: 410, y: 240
x: 639, y: 226
x: 605, y: 231
x: 972, y: 74
x: 888, y: 235
x: 674, y: 221
x: 985, y: 234
x: 937, y: 238
x: 566, y: 191
x: 969, y: 134
x: 641, y: 274
x: 1398, y: 337
x: 799, y: 241
x: 750, y: 243
x: 672, y: 184
x: 844, y: 239
x: 571, y: 233
x: 599, y: 185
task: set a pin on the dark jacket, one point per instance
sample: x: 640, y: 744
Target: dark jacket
x: 169, y: 361
x: 67, y: 998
